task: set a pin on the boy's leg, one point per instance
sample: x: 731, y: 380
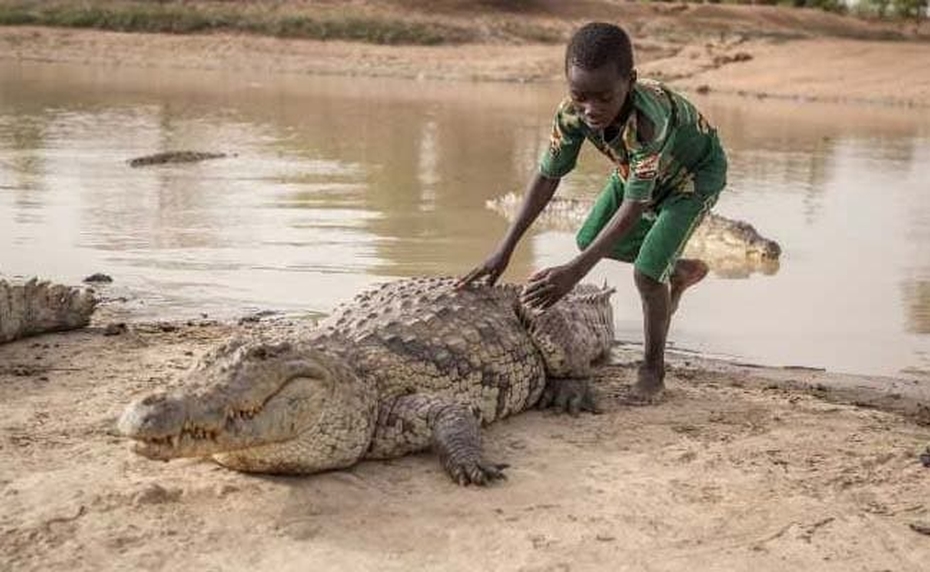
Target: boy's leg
x: 661, y: 278
x: 687, y: 273
x: 606, y: 204
x: 650, y: 378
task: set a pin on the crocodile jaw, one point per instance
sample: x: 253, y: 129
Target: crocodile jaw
x: 252, y: 395
x: 170, y: 426
x: 260, y: 406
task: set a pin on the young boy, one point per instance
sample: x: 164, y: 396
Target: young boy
x: 669, y: 168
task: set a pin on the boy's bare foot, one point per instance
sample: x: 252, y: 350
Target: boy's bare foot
x: 649, y: 387
x: 688, y: 272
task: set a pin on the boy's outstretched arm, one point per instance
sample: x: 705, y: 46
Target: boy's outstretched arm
x: 538, y: 194
x: 547, y: 286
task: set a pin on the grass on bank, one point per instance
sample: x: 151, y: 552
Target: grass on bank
x: 179, y: 18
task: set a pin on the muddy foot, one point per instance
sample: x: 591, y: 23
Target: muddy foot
x: 648, y: 389
x: 687, y: 273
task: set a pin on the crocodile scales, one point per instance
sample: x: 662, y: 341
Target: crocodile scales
x: 31, y: 307
x: 408, y: 365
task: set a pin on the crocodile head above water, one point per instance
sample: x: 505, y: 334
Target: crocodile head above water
x: 720, y: 233
x: 253, y: 404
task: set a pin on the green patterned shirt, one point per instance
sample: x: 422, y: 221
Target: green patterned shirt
x: 679, y: 145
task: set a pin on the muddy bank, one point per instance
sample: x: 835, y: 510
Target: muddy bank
x: 739, y: 468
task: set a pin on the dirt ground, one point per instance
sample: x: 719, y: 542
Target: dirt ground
x: 740, y: 468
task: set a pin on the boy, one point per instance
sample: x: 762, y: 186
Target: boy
x: 669, y: 168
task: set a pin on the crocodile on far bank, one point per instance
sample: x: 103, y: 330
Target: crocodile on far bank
x: 405, y: 366
x: 731, y: 248
x: 174, y: 157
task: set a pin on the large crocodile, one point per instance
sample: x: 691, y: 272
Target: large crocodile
x: 731, y: 248
x: 31, y: 307
x: 410, y: 364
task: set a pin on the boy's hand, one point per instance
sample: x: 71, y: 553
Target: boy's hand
x: 491, y: 269
x: 548, y: 286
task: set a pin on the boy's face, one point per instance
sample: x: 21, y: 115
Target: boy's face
x: 599, y: 93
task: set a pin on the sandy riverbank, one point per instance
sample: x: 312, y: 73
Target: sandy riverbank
x: 740, y: 468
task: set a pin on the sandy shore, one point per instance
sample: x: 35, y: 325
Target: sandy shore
x: 740, y: 468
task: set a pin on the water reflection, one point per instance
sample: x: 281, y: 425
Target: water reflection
x: 22, y: 171
x: 917, y: 298
x: 916, y: 284
x: 337, y: 183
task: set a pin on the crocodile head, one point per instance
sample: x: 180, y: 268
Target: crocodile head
x: 763, y: 249
x: 261, y: 406
x: 734, y: 241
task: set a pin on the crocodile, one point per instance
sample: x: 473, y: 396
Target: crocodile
x: 731, y: 248
x: 402, y: 367
x: 31, y: 307
x: 174, y: 157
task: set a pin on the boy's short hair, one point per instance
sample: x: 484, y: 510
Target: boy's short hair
x: 598, y: 43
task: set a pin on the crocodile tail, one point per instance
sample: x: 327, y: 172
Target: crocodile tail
x: 34, y: 307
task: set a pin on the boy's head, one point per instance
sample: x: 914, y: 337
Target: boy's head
x: 599, y: 69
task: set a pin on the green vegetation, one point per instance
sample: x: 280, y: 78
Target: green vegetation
x: 909, y: 9
x: 883, y: 9
x: 181, y: 18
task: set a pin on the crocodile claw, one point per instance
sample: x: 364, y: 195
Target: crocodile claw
x: 479, y: 473
x: 569, y: 395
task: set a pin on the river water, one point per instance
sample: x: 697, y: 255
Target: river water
x: 338, y: 183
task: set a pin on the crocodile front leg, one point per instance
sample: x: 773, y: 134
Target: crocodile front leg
x: 414, y: 422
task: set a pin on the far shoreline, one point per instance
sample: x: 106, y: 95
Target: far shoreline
x: 804, y: 70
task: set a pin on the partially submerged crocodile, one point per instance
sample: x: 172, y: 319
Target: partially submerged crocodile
x: 731, y: 248
x: 404, y: 366
x: 174, y: 157
x: 31, y: 307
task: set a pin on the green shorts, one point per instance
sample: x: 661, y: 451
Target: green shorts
x: 655, y: 242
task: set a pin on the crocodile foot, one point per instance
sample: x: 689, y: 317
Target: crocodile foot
x: 457, y: 439
x: 569, y: 395
x: 475, y: 471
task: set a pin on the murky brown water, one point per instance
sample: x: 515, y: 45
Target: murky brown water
x: 342, y: 182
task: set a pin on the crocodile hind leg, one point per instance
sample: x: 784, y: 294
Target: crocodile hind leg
x: 415, y: 422
x: 572, y: 395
